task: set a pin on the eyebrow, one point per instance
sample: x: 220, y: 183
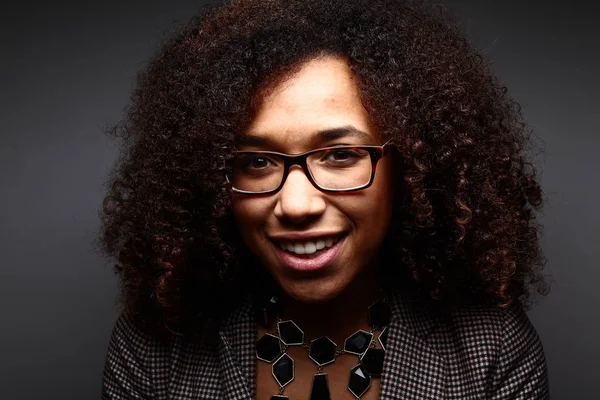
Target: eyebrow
x: 322, y: 135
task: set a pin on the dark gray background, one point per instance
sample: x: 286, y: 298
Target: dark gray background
x: 66, y: 72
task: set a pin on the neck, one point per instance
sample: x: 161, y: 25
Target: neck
x: 338, y: 317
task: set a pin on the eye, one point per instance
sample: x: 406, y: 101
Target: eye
x: 257, y: 162
x: 254, y: 162
x: 341, y: 156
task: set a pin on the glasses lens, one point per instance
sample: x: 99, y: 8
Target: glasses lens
x: 256, y: 172
x: 340, y: 168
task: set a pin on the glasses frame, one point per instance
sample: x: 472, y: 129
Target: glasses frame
x: 376, y: 153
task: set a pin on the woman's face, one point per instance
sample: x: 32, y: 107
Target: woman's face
x: 323, y: 95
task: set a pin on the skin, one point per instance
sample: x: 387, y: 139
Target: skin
x: 322, y: 95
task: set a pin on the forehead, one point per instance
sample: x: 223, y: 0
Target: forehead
x: 322, y: 96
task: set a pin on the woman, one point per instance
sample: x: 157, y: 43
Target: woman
x: 323, y: 199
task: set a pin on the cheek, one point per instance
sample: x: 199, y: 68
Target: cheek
x: 250, y: 214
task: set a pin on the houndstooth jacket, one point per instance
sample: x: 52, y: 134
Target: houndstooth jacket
x: 479, y: 353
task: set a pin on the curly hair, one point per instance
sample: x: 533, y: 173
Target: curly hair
x: 463, y: 230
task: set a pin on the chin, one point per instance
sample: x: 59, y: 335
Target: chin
x: 311, y: 292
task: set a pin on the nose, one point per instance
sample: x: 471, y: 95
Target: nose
x: 298, y: 200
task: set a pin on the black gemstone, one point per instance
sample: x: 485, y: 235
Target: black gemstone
x: 379, y: 314
x: 359, y: 382
x: 289, y: 333
x: 358, y: 343
x: 383, y: 337
x: 283, y: 370
x: 268, y: 347
x: 322, y: 350
x: 320, y: 388
x: 372, y: 361
x: 279, y: 397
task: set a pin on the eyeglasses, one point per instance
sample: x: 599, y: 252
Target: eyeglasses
x: 329, y: 169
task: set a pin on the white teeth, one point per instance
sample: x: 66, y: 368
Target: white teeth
x: 308, y: 247
x: 299, y: 249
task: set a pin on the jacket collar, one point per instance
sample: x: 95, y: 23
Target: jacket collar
x: 408, y: 352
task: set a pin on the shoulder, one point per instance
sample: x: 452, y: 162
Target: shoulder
x: 498, y: 348
x: 126, y: 368
x: 129, y: 339
x: 486, y: 328
x: 488, y: 323
x: 136, y: 363
x: 501, y: 331
x: 140, y: 365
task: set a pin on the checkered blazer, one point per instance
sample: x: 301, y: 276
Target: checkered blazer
x: 479, y: 353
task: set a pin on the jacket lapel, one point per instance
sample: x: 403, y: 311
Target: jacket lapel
x: 236, y: 354
x: 412, y: 369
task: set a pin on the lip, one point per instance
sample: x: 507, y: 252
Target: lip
x: 303, y: 264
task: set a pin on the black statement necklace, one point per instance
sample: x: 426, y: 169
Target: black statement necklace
x: 272, y: 348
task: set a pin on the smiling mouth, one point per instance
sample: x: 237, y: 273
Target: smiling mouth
x: 318, y: 259
x: 308, y: 249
